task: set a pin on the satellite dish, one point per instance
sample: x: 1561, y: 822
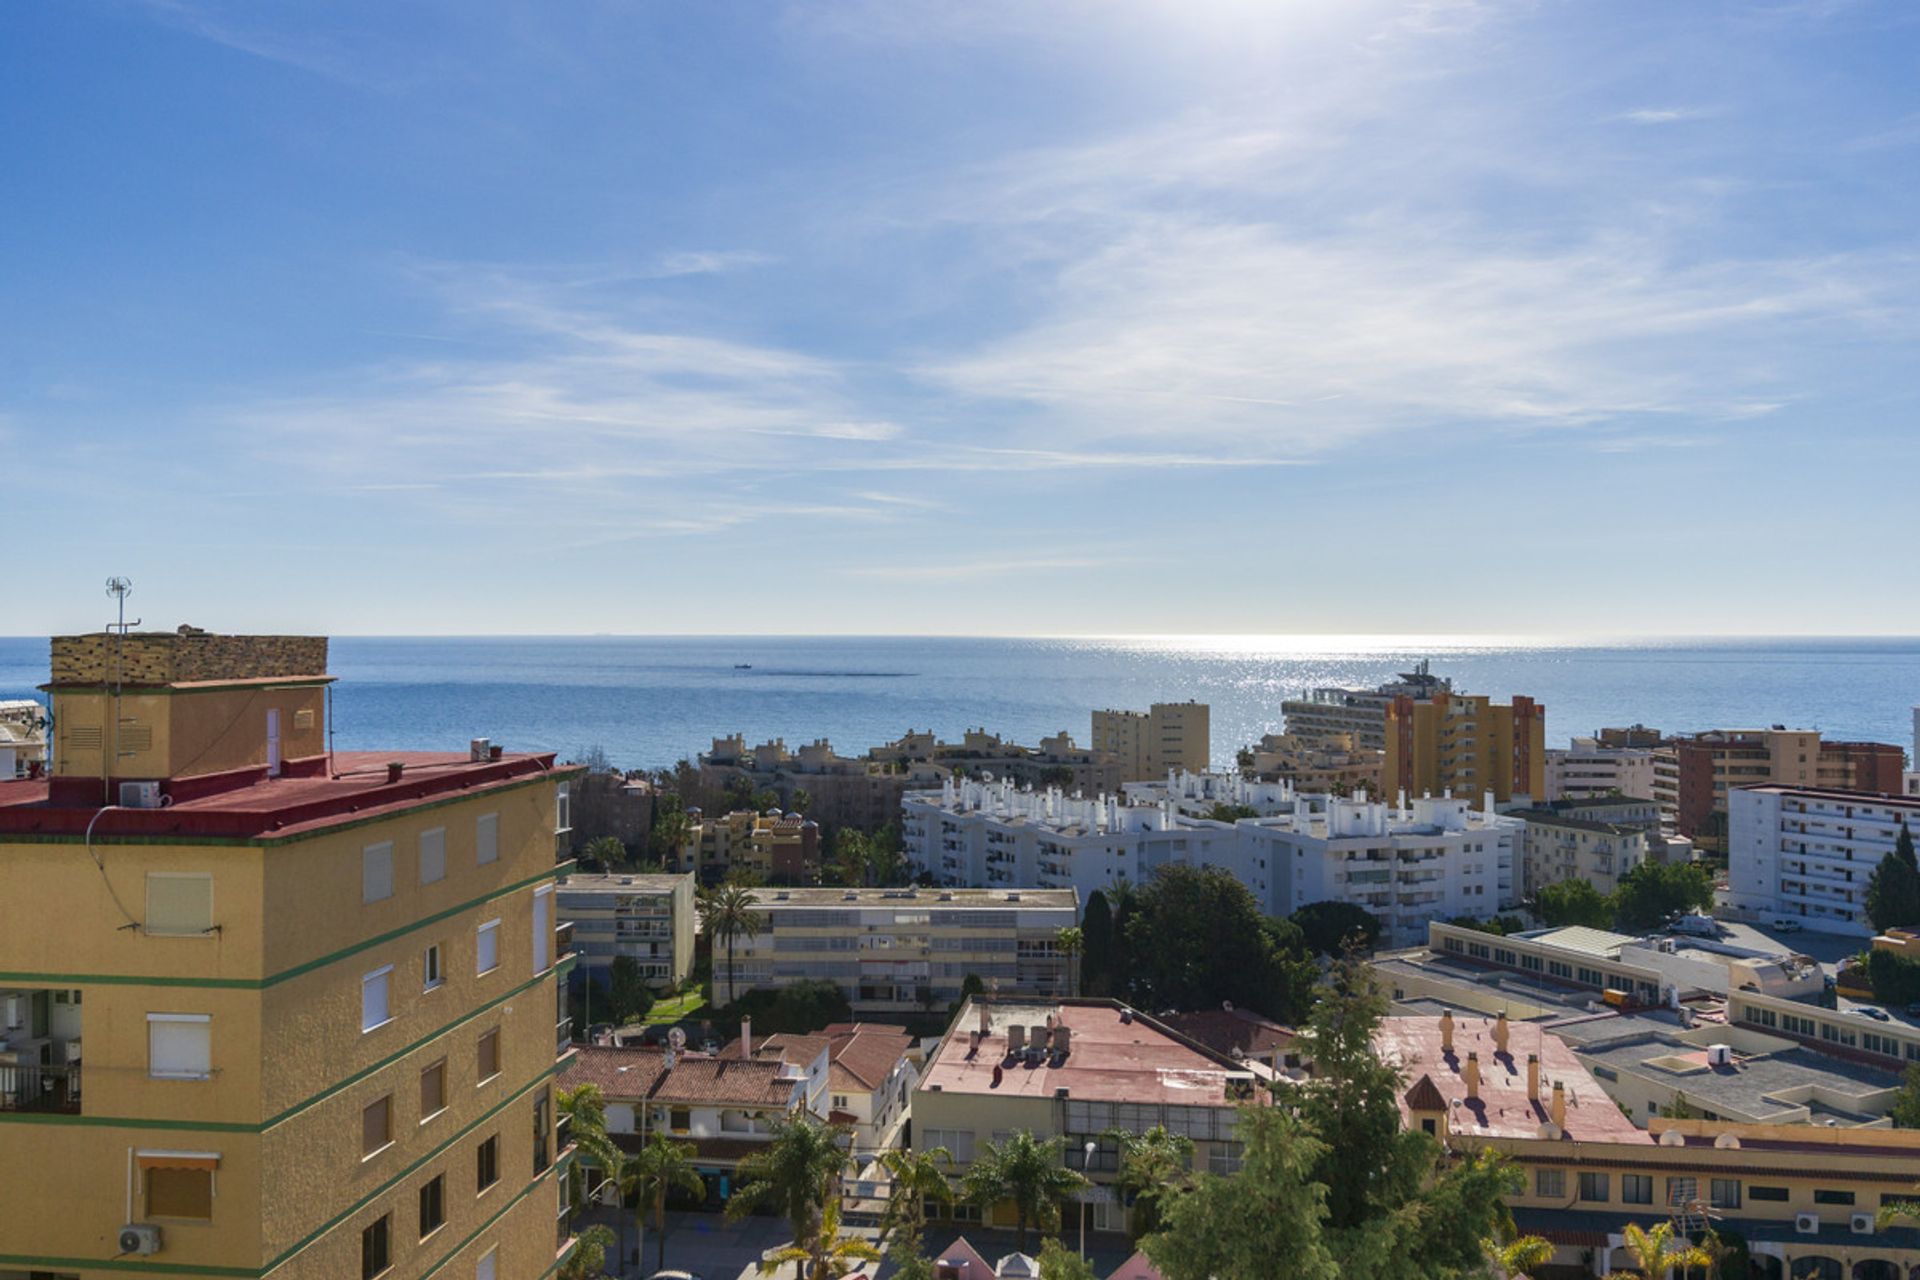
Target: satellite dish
x: 677, y: 1039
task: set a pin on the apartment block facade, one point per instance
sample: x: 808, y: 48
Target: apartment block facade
x: 1708, y: 767
x: 907, y: 950
x: 279, y: 1010
x: 1146, y: 744
x: 1559, y: 846
x: 1588, y: 769
x: 1356, y: 719
x: 1462, y: 744
x: 1805, y: 854
x: 647, y: 918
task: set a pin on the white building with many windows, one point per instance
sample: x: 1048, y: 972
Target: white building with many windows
x: 1432, y: 858
x: 1589, y: 769
x: 1805, y: 854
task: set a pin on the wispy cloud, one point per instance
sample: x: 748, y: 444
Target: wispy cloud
x: 1666, y: 115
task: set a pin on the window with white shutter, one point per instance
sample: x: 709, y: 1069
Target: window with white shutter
x: 433, y: 855
x: 179, y: 1046
x: 542, y: 929
x: 486, y: 838
x: 179, y: 904
x: 376, y: 872
x: 486, y: 951
x: 374, y: 1010
x: 563, y: 809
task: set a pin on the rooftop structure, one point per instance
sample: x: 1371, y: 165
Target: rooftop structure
x: 1237, y: 1033
x: 23, y: 738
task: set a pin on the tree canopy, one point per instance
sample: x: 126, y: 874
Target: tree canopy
x: 1195, y: 936
x: 1893, y: 892
x: 1330, y: 927
x: 1653, y: 892
x: 1567, y: 902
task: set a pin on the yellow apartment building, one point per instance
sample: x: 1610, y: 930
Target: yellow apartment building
x: 1466, y: 744
x: 272, y: 1010
x: 1146, y: 744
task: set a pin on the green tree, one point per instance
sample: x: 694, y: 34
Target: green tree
x: 1096, y: 937
x: 650, y: 1174
x: 1025, y: 1173
x: 606, y: 850
x: 727, y: 914
x: 628, y: 994
x: 1243, y: 760
x: 1057, y: 1262
x: 852, y: 860
x: 1057, y: 775
x: 1893, y: 891
x: 1905, y: 1111
x: 794, y: 1175
x: 1232, y: 812
x: 588, y: 1261
x: 914, y: 1178
x: 1263, y: 1221
x: 802, y: 1007
x: 1070, y: 942
x: 671, y: 828
x: 1679, y: 1108
x: 1125, y: 899
x: 801, y: 800
x: 1195, y: 938
x: 1153, y: 1164
x: 1655, y: 1251
x: 1331, y: 927
x: 764, y: 799
x: 585, y: 1108
x: 1567, y: 902
x: 1516, y: 1258
x: 1894, y: 978
x: 1653, y: 892
x: 829, y: 1255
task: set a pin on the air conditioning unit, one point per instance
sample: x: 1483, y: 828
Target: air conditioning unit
x: 1806, y: 1224
x: 139, y: 795
x: 478, y: 750
x: 1862, y: 1224
x: 139, y: 1237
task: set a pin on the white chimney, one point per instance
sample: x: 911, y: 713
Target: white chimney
x: 746, y: 1039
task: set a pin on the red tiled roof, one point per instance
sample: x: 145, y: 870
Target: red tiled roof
x: 631, y: 1074
x: 1231, y: 1030
x: 1136, y: 1268
x: 966, y: 1259
x: 860, y: 1055
x: 1425, y: 1096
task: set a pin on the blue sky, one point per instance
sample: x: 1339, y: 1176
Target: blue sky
x: 1337, y: 316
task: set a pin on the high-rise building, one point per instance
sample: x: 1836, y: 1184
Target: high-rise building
x: 1708, y: 766
x: 1805, y: 854
x: 1169, y: 735
x: 1466, y: 744
x: 1589, y: 768
x: 1356, y: 719
x: 269, y: 1009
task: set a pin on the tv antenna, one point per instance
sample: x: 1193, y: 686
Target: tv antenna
x: 119, y: 588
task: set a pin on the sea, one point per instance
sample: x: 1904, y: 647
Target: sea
x: 646, y: 702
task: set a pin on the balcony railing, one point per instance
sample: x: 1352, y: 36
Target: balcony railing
x: 45, y: 1089
x: 562, y: 1035
x: 562, y: 940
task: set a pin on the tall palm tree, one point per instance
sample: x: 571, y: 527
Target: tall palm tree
x: 586, y: 1110
x: 589, y: 1258
x: 1026, y: 1173
x: 661, y: 1166
x: 914, y: 1178
x: 728, y: 914
x: 1514, y: 1259
x: 1656, y: 1252
x: 829, y: 1255
x: 1151, y: 1164
x: 1070, y: 942
x: 795, y: 1174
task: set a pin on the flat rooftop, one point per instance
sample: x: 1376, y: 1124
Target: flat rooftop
x: 642, y: 882
x: 828, y: 896
x: 314, y: 794
x: 1114, y: 1056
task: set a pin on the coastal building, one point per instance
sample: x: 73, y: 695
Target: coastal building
x: 1429, y: 859
x: 1200, y: 795
x: 1708, y: 767
x: 1356, y: 719
x: 1558, y: 845
x: 1076, y: 1069
x: 23, y: 738
x: 775, y: 847
x: 871, y: 1070
x: 1460, y: 744
x: 312, y: 996
x: 1330, y: 764
x: 1805, y: 854
x: 1911, y: 779
x: 1146, y: 744
x: 908, y: 950
x: 647, y: 918
x: 1589, y: 770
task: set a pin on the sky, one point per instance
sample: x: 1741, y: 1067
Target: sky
x: 1330, y: 316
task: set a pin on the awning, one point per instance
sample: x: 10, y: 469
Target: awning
x: 207, y: 1160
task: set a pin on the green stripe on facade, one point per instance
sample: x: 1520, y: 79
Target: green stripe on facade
x: 557, y: 1172
x: 260, y: 984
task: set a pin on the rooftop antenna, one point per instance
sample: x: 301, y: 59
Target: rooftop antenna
x: 119, y: 588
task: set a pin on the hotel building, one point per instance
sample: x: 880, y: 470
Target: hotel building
x: 1708, y: 767
x: 273, y: 1010
x: 1356, y: 719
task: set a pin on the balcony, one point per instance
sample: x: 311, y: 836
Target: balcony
x: 562, y: 941
x: 47, y: 1090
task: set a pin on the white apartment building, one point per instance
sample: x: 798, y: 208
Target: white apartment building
x: 1587, y: 770
x: 1197, y: 795
x: 1806, y: 853
x: 1435, y: 858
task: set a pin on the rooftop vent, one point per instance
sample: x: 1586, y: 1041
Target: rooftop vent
x: 1016, y: 1038
x: 479, y: 750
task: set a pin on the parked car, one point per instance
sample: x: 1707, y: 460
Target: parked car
x: 1873, y: 1011
x: 673, y: 1275
x: 1785, y: 925
x: 1696, y: 924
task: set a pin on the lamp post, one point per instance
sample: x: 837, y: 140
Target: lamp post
x: 1086, y: 1166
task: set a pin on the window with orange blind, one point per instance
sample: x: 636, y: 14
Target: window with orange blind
x: 178, y: 1184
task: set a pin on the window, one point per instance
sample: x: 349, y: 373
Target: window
x: 433, y: 1205
x: 488, y: 1266
x: 562, y: 809
x: 433, y: 1091
x: 487, y: 1163
x: 489, y: 1056
x: 486, y: 951
x: 373, y: 999
x: 431, y: 974
x: 1682, y: 1191
x: 1550, y: 1183
x: 1725, y: 1193
x: 542, y: 1129
x: 486, y: 838
x: 433, y: 855
x: 542, y: 929
x: 1636, y: 1188
x: 958, y: 1142
x: 1593, y: 1186
x: 376, y: 872
x: 178, y: 1184
x: 1767, y: 1193
x: 376, y: 1126
x: 679, y: 1119
x: 179, y: 1046
x: 179, y: 905
x: 1833, y: 1197
x: 375, y: 1248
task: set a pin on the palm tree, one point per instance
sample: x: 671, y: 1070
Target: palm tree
x: 801, y: 800
x: 1025, y: 1172
x: 1512, y: 1260
x: 829, y: 1256
x: 656, y: 1169
x: 914, y: 1177
x: 585, y: 1108
x: 795, y: 1174
x: 727, y: 913
x: 1656, y: 1252
x: 589, y: 1258
x: 1151, y: 1164
x: 1070, y: 942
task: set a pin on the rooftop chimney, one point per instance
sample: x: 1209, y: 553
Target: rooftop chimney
x: 1533, y: 1077
x: 1559, y: 1106
x: 1500, y: 1031
x: 1472, y: 1076
x: 984, y: 1028
x: 746, y: 1039
x: 1446, y: 1031
x: 394, y: 769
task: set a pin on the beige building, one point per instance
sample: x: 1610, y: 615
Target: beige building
x: 647, y: 918
x: 1706, y: 767
x: 1330, y: 764
x: 1560, y: 846
x: 775, y: 847
x: 1147, y: 744
x: 871, y: 1070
